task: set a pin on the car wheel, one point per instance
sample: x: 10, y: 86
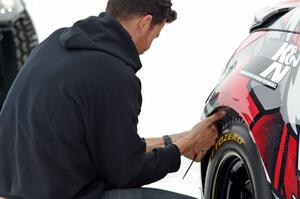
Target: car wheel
x: 17, y: 42
x: 234, y: 170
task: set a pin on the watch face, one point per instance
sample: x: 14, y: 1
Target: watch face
x: 167, y: 140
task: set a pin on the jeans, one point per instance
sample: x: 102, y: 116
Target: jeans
x: 142, y: 193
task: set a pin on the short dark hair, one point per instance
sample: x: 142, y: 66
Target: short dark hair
x: 159, y: 9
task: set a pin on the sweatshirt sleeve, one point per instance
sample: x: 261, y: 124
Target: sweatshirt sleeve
x: 117, y: 151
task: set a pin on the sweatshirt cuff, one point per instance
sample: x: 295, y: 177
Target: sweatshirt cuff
x: 174, y: 157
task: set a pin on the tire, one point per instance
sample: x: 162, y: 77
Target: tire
x: 235, y: 170
x: 16, y: 44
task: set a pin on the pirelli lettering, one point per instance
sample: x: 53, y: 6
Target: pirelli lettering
x: 228, y: 137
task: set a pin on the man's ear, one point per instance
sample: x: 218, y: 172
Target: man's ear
x: 145, y: 23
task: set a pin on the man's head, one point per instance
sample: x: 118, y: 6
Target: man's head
x: 143, y: 19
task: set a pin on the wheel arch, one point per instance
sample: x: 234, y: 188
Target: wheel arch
x: 232, y: 113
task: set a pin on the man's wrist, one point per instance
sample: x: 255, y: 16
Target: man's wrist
x: 185, y: 144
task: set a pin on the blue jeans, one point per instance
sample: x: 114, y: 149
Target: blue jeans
x: 142, y: 193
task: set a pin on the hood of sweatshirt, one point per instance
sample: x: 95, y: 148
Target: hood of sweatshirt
x: 103, y: 33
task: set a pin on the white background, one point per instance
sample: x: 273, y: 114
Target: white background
x: 180, y: 69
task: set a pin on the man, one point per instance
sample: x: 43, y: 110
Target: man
x: 68, y: 128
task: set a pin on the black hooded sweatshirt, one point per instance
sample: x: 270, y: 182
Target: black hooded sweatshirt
x: 68, y: 128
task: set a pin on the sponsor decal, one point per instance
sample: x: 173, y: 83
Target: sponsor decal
x: 259, y: 79
x: 228, y: 137
x: 286, y: 58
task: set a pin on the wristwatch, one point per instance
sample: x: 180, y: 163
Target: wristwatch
x: 167, y: 140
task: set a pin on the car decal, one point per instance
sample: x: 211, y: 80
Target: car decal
x: 283, y: 60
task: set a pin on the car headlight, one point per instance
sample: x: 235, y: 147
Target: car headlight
x: 10, y: 9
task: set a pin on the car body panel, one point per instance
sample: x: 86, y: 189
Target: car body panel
x: 261, y: 83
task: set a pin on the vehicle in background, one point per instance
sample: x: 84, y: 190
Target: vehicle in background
x: 17, y: 39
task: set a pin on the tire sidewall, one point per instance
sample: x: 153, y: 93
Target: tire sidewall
x: 242, y: 145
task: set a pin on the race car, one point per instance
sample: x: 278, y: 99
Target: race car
x: 257, y: 155
x: 17, y: 38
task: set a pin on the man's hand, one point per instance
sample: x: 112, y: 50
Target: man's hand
x: 201, y: 137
